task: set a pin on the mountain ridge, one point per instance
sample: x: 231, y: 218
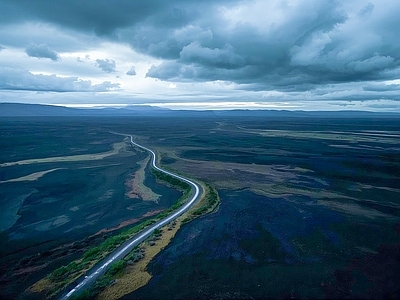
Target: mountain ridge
x: 45, y: 110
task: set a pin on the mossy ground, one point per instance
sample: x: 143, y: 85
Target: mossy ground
x: 136, y: 275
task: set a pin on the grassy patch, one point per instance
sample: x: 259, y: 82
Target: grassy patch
x: 63, y: 276
x: 135, y: 274
x: 116, y: 270
x: 206, y: 205
x: 171, y: 180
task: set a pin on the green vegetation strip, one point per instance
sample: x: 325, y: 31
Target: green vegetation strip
x: 65, y: 275
x: 176, y: 183
x: 206, y: 205
x: 116, y: 270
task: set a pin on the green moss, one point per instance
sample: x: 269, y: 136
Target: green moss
x: 183, y: 185
x: 66, y: 274
x: 210, y: 202
x: 116, y: 268
x: 64, y: 271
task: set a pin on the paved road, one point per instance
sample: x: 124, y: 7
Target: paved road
x: 123, y: 250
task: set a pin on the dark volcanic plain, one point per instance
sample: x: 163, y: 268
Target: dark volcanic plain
x: 83, y: 192
x: 310, y: 207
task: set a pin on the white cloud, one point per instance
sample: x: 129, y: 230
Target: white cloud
x: 41, y: 51
x: 14, y: 79
x: 310, y: 52
x: 107, y: 65
x: 131, y: 71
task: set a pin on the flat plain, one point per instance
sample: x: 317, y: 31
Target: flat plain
x: 65, y: 186
x: 310, y: 207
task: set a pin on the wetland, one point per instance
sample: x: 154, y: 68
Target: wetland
x: 309, y: 207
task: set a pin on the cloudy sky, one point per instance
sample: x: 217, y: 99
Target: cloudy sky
x: 294, y: 54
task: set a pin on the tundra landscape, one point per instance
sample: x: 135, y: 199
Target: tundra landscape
x: 309, y: 206
x: 200, y: 149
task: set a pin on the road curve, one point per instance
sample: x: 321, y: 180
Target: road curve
x: 125, y: 248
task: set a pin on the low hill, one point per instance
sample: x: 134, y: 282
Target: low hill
x: 39, y: 110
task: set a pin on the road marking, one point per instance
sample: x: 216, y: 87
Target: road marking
x: 149, y: 230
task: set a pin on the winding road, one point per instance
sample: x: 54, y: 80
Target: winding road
x: 124, y: 249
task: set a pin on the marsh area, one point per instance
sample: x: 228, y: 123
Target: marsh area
x: 310, y: 207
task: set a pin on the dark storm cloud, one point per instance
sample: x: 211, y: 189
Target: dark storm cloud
x: 101, y: 16
x: 41, y: 51
x: 313, y: 47
x: 223, y: 58
x: 311, y: 44
x: 302, y: 52
x: 131, y: 72
x: 16, y: 79
x: 107, y: 65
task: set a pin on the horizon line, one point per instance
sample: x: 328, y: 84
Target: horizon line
x: 175, y: 106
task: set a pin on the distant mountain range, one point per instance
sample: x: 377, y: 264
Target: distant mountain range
x: 39, y: 110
